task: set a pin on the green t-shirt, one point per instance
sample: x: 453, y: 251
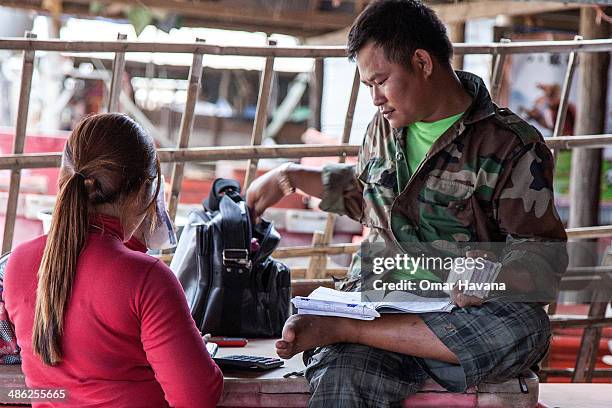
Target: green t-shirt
x: 421, y: 136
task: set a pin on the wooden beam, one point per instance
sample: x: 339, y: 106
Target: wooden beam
x: 462, y: 12
x: 217, y: 11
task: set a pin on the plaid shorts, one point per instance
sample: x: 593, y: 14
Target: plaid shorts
x: 494, y: 342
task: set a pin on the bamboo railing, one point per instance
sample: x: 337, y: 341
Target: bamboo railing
x: 317, y: 270
x: 253, y: 153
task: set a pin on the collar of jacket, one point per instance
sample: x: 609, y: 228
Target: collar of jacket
x: 482, y: 107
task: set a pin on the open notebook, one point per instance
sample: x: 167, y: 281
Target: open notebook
x: 329, y: 302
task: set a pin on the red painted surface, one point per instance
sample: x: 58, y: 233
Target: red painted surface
x: 566, y: 343
x: 36, y: 144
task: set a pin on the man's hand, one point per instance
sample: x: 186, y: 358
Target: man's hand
x: 264, y: 192
x: 463, y: 300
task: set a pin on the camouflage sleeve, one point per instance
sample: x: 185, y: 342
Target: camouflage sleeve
x: 526, y: 213
x: 342, y: 189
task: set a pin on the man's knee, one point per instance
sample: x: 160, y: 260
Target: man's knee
x: 353, y: 374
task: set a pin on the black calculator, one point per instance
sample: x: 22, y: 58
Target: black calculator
x: 239, y: 362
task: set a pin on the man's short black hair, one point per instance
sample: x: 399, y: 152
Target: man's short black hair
x: 400, y: 27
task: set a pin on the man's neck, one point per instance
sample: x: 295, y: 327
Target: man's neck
x: 453, y: 99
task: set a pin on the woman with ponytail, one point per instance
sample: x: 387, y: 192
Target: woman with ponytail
x: 94, y: 315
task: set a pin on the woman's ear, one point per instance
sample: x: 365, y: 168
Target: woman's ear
x: 422, y: 62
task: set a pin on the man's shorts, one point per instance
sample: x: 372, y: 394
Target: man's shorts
x: 494, y: 342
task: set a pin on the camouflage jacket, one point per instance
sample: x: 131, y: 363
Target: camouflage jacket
x: 488, y: 178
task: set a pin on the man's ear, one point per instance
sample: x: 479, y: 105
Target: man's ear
x: 422, y: 62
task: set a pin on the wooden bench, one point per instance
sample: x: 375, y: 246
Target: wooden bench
x: 270, y: 389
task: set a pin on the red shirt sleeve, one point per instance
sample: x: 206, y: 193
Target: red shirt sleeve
x: 173, y: 345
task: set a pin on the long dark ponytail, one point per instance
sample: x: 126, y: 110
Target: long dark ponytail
x: 107, y: 157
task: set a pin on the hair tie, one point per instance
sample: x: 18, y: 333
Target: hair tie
x: 79, y: 174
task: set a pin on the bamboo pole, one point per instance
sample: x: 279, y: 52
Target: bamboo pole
x: 203, y: 154
x: 18, y: 144
x: 117, y: 77
x: 300, y: 251
x: 589, y: 141
x: 195, y: 154
x: 569, y: 372
x: 498, y: 68
x: 316, y: 93
x: 261, y: 116
x: 589, y: 344
x: 589, y: 232
x: 9, y: 43
x: 195, y: 76
x: 319, y: 262
x: 562, y: 323
x: 565, y: 91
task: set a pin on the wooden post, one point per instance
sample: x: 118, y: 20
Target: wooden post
x: 498, y: 68
x: 18, y: 144
x: 195, y: 76
x: 585, y: 177
x: 117, y: 78
x: 456, y: 33
x: 315, y: 97
x: 320, y: 262
x: 261, y: 115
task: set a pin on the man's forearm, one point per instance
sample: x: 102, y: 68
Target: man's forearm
x: 307, y: 179
x: 400, y: 333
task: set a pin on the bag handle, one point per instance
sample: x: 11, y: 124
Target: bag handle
x: 236, y: 227
x: 220, y: 188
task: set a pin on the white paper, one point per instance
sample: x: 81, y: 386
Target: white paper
x: 329, y: 302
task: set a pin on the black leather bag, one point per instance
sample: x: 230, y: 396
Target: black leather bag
x: 232, y: 289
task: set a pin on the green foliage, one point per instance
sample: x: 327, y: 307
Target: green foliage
x: 563, y: 170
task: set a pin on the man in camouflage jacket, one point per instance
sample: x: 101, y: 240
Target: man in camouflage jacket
x: 486, y: 178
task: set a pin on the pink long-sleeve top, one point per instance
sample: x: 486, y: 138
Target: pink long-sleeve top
x: 129, y: 339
